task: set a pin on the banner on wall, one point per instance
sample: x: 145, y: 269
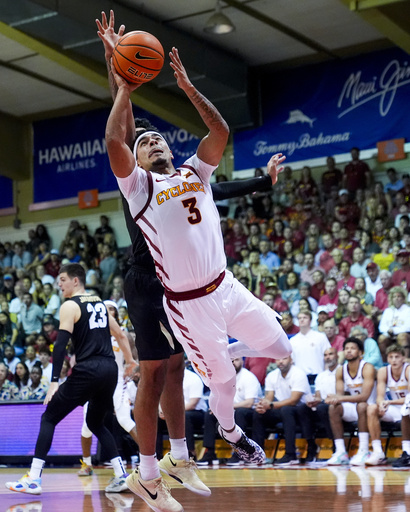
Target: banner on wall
x: 327, y: 109
x: 70, y: 154
x: 6, y: 196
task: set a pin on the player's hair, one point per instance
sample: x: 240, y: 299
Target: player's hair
x: 142, y: 125
x: 74, y: 270
x: 395, y: 348
x: 352, y: 339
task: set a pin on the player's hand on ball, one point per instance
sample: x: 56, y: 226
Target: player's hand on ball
x: 107, y: 34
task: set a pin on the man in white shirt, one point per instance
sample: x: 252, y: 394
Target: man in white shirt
x: 308, y: 347
x: 285, y: 389
x: 373, y: 282
x: 395, y: 320
x: 248, y: 391
x: 315, y: 413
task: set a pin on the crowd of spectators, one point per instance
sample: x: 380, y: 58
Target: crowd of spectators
x: 331, y: 255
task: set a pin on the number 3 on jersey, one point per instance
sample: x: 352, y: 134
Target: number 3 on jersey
x: 98, y: 318
x: 196, y: 214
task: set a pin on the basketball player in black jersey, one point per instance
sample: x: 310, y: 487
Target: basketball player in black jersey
x: 83, y: 318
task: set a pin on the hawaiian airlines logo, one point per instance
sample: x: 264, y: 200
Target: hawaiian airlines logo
x: 143, y: 57
x: 297, y: 116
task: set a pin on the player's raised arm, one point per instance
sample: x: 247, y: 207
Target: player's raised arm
x: 122, y: 160
x: 212, y: 146
x: 106, y: 32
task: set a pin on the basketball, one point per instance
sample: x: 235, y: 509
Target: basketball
x: 138, y: 57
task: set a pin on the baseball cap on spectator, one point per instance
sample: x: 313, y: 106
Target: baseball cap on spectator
x: 48, y: 319
x: 343, y: 191
x: 55, y: 251
x: 322, y: 309
x: 371, y: 265
x: 8, y: 277
x: 403, y: 252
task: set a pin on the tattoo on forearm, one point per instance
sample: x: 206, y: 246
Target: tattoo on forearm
x: 206, y: 109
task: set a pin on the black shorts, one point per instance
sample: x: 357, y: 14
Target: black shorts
x: 143, y: 293
x: 93, y: 380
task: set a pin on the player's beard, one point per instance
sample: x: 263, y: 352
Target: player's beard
x: 160, y: 165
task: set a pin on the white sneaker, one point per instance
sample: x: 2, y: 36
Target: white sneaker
x: 338, y: 459
x: 376, y: 459
x: 360, y: 458
x: 117, y: 484
x: 26, y: 484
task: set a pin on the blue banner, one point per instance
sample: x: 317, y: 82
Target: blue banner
x: 6, y: 196
x: 327, y: 109
x: 70, y: 154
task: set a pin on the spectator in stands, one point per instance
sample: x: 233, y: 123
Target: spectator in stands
x: 401, y: 277
x: 8, y: 390
x: 310, y: 268
x: 41, y: 257
x: 234, y: 243
x: 372, y: 352
x: 373, y: 283
x: 331, y: 298
x: 52, y: 301
x: 335, y: 272
x: 306, y: 188
x: 284, y: 269
x: 366, y: 300
x: 308, y: 347
x: 356, y: 173
x: 21, y: 258
x: 267, y: 257
x: 315, y: 413
x: 360, y: 262
x: 291, y: 292
x: 395, y: 321
x: 341, y: 310
x: 326, y: 261
x: 31, y: 358
x: 332, y: 334
x: 273, y: 299
x: 395, y: 184
x: 287, y: 323
x: 31, y: 315
x: 248, y: 391
x: 382, y: 296
x: 369, y: 247
x: 354, y: 318
x: 355, y: 389
x: 36, y: 390
x: 49, y: 328
x: 347, y: 281
x: 21, y: 375
x: 108, y: 265
x: 8, y: 330
x: 304, y: 305
x: 331, y: 178
x: 285, y: 388
x: 103, y: 228
x: 44, y: 355
x: 10, y: 358
x: 395, y: 378
x: 318, y: 288
x: 385, y: 257
x: 8, y: 287
x: 304, y: 293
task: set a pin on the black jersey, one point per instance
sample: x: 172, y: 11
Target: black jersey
x: 91, y: 335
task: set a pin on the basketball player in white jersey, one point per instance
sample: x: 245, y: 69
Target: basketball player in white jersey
x: 120, y: 398
x: 355, y: 389
x: 395, y: 378
x: 175, y: 211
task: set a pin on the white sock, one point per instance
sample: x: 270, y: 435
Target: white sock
x: 406, y: 446
x: 233, y: 436
x: 36, y: 469
x: 87, y: 460
x: 340, y: 446
x: 377, y: 446
x: 118, y: 466
x: 363, y: 441
x: 149, y: 467
x: 179, y: 448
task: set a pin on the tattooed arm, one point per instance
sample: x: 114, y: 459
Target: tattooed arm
x: 212, y: 146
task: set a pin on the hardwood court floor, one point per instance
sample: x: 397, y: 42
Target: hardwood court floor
x: 233, y: 490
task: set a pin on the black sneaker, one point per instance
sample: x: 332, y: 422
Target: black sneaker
x: 287, y: 460
x: 246, y: 448
x: 402, y: 462
x: 234, y: 460
x: 209, y: 459
x: 312, y: 451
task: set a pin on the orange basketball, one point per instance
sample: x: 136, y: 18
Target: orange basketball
x: 138, y: 57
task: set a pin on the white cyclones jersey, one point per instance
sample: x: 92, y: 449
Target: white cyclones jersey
x: 397, y: 388
x: 180, y: 222
x: 119, y: 357
x: 353, y: 385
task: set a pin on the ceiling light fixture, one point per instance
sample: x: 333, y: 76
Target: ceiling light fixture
x: 218, y: 23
